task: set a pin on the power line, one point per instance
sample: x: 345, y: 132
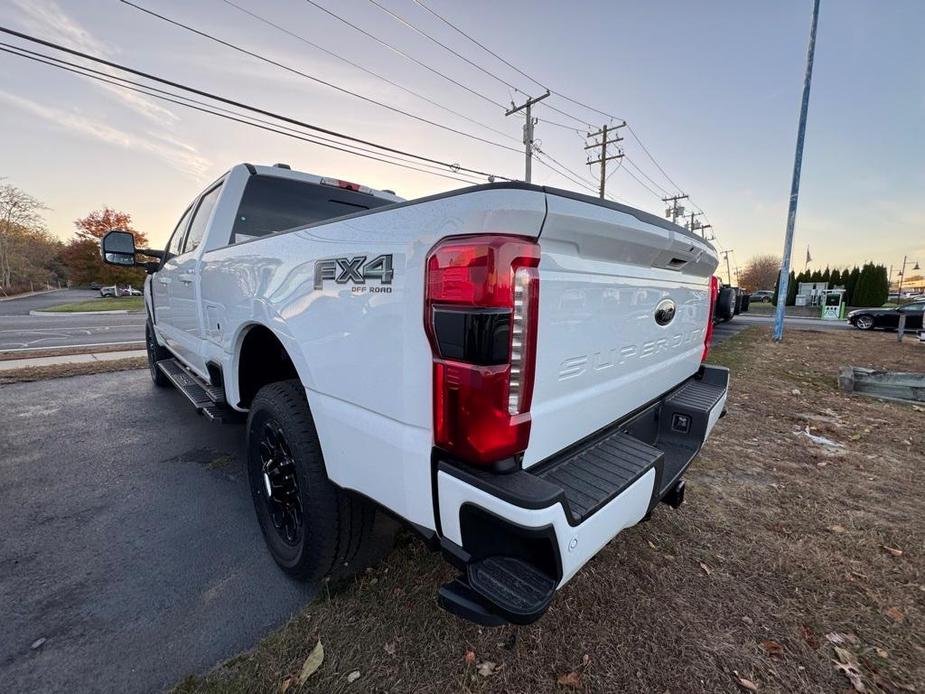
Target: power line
x: 645, y: 175
x: 313, y: 78
x: 423, y: 33
x: 368, y: 71
x: 562, y: 170
x: 238, y: 104
x: 402, y: 53
x: 479, y: 44
x: 485, y: 48
x: 213, y: 110
x: 649, y: 154
x: 512, y: 66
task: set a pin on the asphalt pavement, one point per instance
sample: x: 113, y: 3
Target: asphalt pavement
x: 21, y: 331
x: 130, y: 553
x: 21, y: 306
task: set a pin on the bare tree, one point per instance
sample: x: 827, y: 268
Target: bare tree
x: 760, y: 273
x: 17, y: 209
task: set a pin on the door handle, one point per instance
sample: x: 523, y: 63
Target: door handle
x: 186, y: 278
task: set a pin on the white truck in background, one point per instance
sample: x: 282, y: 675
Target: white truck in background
x: 514, y: 371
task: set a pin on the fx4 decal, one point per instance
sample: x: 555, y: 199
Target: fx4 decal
x: 355, y: 270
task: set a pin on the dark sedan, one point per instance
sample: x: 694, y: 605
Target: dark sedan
x: 869, y: 318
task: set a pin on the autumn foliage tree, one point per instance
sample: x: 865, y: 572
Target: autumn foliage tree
x: 82, y: 254
x: 760, y: 273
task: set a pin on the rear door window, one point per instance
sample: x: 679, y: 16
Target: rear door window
x: 271, y: 204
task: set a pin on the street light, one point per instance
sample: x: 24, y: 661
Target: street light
x: 902, y: 271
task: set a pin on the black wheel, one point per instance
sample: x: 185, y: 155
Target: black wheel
x: 156, y: 353
x: 312, y: 528
x: 864, y: 323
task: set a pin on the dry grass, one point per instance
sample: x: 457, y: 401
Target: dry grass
x: 66, y: 351
x: 40, y: 373
x: 781, y: 543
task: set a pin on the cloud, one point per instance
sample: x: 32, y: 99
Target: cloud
x: 46, y: 18
x: 181, y: 156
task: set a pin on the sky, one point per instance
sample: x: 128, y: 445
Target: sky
x: 712, y: 89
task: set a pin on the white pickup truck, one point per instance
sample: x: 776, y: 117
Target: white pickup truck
x: 514, y: 371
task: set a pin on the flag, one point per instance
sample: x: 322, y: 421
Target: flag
x: 809, y: 258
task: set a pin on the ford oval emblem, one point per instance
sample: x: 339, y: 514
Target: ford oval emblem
x: 664, y: 312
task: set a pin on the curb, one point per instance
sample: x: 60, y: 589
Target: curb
x: 80, y: 313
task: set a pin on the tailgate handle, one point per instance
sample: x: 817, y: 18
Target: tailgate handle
x: 677, y: 257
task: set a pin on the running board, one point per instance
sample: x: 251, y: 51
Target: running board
x: 206, y: 398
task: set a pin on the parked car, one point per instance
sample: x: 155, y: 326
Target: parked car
x: 108, y: 291
x: 764, y: 296
x: 95, y: 285
x: 478, y: 363
x: 888, y: 318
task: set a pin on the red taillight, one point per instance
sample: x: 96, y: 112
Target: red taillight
x: 708, y: 336
x: 481, y: 304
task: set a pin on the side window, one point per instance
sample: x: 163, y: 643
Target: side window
x: 913, y: 308
x: 201, y: 219
x: 173, y: 246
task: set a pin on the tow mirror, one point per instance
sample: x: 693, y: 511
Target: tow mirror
x: 118, y: 248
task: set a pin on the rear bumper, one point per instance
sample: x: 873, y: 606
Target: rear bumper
x: 518, y: 537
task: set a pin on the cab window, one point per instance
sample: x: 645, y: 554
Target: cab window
x: 173, y: 246
x: 198, y: 227
x: 271, y: 204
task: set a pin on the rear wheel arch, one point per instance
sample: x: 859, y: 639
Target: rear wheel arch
x: 261, y: 358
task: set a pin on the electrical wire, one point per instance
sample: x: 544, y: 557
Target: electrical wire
x: 514, y: 67
x: 645, y: 175
x: 191, y: 103
x: 423, y: 33
x: 402, y: 53
x: 313, y: 78
x: 247, y: 107
x: 649, y: 154
x: 367, y: 70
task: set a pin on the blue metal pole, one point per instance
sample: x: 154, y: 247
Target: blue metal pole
x: 795, y: 185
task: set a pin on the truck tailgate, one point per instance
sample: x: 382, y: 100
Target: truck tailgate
x: 601, y: 353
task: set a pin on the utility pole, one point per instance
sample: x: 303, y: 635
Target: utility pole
x: 778, y: 335
x: 694, y: 225
x: 528, y: 131
x: 603, y: 158
x: 675, y: 210
x: 728, y: 271
x: 703, y: 229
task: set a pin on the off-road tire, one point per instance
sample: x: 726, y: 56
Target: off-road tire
x: 156, y: 353
x: 336, y: 524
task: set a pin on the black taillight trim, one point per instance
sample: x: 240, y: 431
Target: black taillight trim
x: 480, y: 336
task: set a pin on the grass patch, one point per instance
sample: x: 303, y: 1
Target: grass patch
x: 40, y: 373
x: 784, y: 550
x: 108, y: 303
